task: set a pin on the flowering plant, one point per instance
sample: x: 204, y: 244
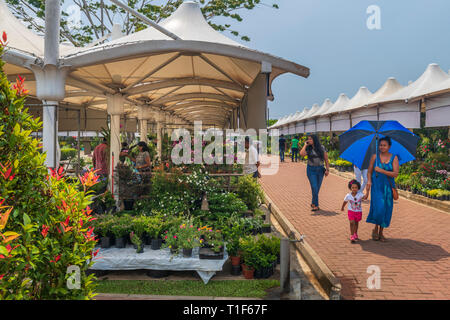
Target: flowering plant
x: 50, y: 214
x: 212, y: 238
x: 189, y: 236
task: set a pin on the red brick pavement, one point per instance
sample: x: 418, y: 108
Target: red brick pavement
x: 414, y: 262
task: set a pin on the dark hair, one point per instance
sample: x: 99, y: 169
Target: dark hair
x: 104, y: 139
x: 143, y: 145
x: 387, y: 139
x: 124, y: 144
x: 317, y: 147
x: 354, y: 182
x: 296, y: 137
x: 247, y: 139
x: 282, y: 135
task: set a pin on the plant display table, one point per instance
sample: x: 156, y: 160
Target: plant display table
x: 128, y: 259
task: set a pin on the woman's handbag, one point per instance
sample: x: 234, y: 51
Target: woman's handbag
x: 394, y: 191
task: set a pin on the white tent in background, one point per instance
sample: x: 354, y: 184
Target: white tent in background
x: 359, y: 99
x: 369, y: 110
x: 438, y: 106
x: 323, y: 123
x: 310, y: 122
x: 401, y: 105
x: 299, y: 126
x: 339, y: 121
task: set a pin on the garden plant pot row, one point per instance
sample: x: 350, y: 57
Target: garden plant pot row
x: 424, y: 193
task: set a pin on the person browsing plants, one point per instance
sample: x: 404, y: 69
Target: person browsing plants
x: 251, y: 164
x: 315, y: 170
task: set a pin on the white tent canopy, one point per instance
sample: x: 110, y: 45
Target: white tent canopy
x: 398, y: 106
x: 429, y: 93
x: 339, y: 121
x: 310, y: 122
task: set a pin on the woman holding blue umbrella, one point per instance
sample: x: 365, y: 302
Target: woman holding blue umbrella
x: 381, y: 147
x: 381, y: 175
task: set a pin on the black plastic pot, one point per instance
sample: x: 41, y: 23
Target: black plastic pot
x: 206, y: 253
x: 187, y: 253
x: 156, y: 244
x: 263, y: 273
x: 266, y: 229
x: 158, y: 273
x: 235, y: 270
x: 121, y: 242
x: 128, y: 204
x: 141, y: 250
x: 105, y: 242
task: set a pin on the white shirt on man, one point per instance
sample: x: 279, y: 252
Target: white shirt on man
x: 251, y: 158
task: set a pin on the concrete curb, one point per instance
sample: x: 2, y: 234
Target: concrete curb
x: 326, y: 278
x: 436, y: 204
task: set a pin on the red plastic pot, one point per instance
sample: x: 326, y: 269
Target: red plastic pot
x: 235, y: 261
x: 248, y: 272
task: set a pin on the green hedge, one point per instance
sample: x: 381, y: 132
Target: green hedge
x: 67, y: 153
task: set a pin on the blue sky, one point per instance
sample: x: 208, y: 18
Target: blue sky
x: 331, y: 38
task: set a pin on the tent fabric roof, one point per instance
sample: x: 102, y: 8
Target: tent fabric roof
x: 203, y: 76
x: 359, y: 99
x: 341, y: 102
x: 432, y: 76
x: 434, y: 82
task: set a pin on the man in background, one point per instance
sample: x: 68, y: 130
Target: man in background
x: 100, y: 158
x: 294, y: 149
x: 251, y: 159
x: 282, y: 146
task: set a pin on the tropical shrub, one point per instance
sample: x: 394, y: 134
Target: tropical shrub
x: 250, y: 192
x: 68, y: 153
x: 50, y: 214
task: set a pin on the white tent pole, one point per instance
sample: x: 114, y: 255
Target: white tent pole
x: 146, y: 20
x: 51, y: 55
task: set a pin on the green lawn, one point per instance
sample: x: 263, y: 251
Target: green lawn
x: 219, y: 288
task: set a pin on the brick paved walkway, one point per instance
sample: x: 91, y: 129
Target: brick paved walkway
x: 414, y: 262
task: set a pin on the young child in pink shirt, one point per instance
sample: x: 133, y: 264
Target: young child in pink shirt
x: 354, y: 200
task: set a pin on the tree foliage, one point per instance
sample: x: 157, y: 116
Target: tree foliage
x: 98, y: 16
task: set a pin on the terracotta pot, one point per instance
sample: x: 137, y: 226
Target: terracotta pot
x: 247, y: 272
x: 235, y: 261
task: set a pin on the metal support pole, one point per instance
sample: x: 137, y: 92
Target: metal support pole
x: 78, y: 142
x: 285, y: 262
x: 285, y: 265
x: 146, y: 20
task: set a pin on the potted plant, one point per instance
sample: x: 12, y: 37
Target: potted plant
x: 120, y: 229
x: 137, y: 225
x: 212, y: 245
x: 153, y: 228
x: 171, y: 241
x: 266, y: 228
x: 249, y: 254
x: 137, y: 241
x: 188, y: 237
x: 128, y: 181
x: 104, y: 231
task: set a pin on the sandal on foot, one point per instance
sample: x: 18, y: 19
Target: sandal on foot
x: 382, y: 238
x: 375, y: 235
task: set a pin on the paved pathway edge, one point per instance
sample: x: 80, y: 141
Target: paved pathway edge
x: 326, y: 278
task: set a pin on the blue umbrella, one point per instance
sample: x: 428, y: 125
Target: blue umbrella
x: 358, y: 144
